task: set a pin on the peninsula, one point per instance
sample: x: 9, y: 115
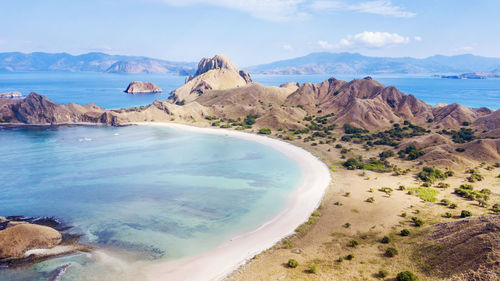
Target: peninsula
x: 414, y: 188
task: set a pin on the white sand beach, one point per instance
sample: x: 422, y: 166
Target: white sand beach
x: 221, y: 261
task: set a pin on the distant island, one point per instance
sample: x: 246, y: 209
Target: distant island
x: 314, y: 63
x: 353, y: 63
x: 95, y: 62
x: 138, y: 87
x: 473, y: 75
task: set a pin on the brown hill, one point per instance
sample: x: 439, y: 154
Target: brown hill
x: 468, y: 249
x: 39, y: 110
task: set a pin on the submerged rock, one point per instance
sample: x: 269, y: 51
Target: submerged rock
x: 138, y: 87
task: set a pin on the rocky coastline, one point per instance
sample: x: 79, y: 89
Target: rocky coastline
x: 28, y: 240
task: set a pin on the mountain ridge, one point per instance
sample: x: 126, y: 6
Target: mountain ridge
x: 355, y: 63
x: 94, y: 61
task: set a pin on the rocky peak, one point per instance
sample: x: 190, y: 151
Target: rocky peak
x: 217, y: 62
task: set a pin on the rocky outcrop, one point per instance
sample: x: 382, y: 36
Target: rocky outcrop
x: 39, y: 110
x: 138, y: 87
x: 217, y: 73
x: 21, y: 237
x: 11, y: 95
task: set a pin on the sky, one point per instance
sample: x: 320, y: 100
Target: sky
x: 251, y: 32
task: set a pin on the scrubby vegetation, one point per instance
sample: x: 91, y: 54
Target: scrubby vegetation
x: 292, y: 263
x: 410, y: 152
x: 431, y: 174
x: 426, y: 193
x: 372, y: 165
x: 406, y: 276
x: 265, y: 131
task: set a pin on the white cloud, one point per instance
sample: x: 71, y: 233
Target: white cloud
x: 382, y: 7
x: 417, y: 38
x: 325, y: 45
x: 462, y: 50
x: 367, y: 39
x: 288, y: 47
x: 379, y: 7
x: 325, y: 5
x: 287, y: 10
x: 275, y: 10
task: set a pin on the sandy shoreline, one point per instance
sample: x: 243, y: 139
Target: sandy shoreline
x: 227, y: 257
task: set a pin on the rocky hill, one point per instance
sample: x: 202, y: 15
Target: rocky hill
x: 39, y: 110
x: 217, y: 73
x: 472, y: 243
x: 220, y: 91
x: 97, y: 62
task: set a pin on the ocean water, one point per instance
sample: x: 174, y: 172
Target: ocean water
x: 106, y: 89
x: 142, y: 193
x: 432, y: 90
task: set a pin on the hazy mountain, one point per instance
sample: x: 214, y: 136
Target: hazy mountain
x: 98, y: 62
x: 353, y: 63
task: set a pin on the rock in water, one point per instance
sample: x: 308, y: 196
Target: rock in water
x: 11, y: 95
x: 138, y: 87
x: 17, y: 239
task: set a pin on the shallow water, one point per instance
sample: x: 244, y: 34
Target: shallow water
x: 141, y: 193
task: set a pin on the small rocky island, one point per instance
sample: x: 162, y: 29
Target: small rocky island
x: 25, y: 240
x: 11, y: 95
x: 138, y: 87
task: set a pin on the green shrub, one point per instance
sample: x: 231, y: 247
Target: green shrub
x: 391, y: 252
x: 353, y: 243
x: 405, y: 232
x: 410, y: 152
x: 418, y: 222
x: 385, y: 240
x: 465, y: 214
x: 251, y: 119
x: 265, y: 131
x: 287, y: 244
x: 431, y: 174
x: 445, y: 202
x: 406, y: 276
x: 425, y: 193
x: 292, y: 263
x: 382, y: 273
x: 370, y: 200
x: 313, y: 269
x: 453, y: 206
x: 448, y: 215
x: 349, y: 257
x: 496, y: 208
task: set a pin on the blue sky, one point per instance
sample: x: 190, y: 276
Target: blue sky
x: 251, y: 31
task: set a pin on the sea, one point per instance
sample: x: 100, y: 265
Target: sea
x: 107, y: 89
x: 147, y: 194
x: 143, y: 193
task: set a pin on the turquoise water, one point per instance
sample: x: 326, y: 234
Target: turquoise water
x: 106, y: 89
x: 147, y: 193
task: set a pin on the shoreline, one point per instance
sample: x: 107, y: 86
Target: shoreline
x: 221, y: 261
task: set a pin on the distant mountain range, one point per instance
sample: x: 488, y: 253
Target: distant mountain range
x: 97, y: 62
x: 474, y: 75
x: 353, y: 63
x: 315, y: 63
